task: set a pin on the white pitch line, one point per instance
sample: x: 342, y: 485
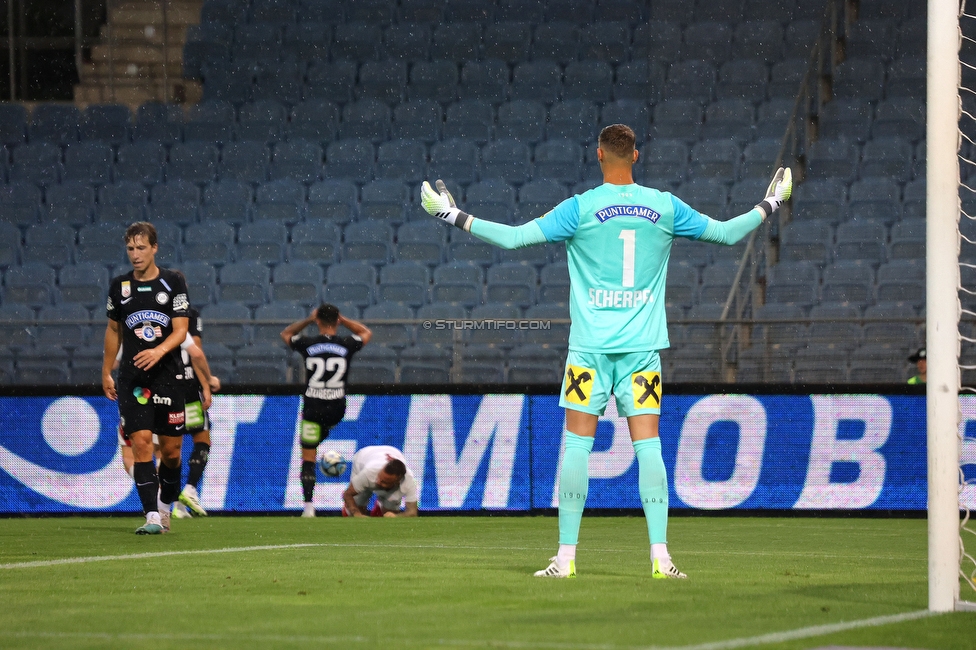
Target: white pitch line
x: 731, y: 644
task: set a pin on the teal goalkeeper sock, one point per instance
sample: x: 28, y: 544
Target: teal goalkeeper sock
x: 574, y: 481
x: 653, y: 484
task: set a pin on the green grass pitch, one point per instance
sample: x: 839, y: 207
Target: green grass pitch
x: 466, y: 582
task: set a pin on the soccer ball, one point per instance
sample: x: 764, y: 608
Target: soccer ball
x: 332, y: 464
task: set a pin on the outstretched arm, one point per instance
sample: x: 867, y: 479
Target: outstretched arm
x: 441, y: 204
x: 732, y: 231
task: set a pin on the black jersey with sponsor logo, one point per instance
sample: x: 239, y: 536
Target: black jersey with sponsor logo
x: 327, y: 362
x: 145, y: 312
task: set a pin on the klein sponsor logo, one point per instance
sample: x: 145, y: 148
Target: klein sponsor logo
x: 639, y: 211
x: 178, y: 417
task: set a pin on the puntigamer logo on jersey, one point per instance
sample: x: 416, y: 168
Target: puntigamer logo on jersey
x: 147, y: 324
x: 639, y: 211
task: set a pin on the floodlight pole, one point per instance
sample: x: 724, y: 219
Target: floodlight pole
x: 942, y: 309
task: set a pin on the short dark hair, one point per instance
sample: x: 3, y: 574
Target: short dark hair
x: 396, y: 468
x: 141, y: 229
x: 327, y: 314
x: 619, y: 140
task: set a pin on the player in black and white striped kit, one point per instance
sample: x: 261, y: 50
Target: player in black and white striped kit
x: 326, y: 357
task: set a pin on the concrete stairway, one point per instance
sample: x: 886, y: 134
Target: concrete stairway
x: 127, y: 66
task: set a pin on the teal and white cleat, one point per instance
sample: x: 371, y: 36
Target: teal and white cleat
x: 180, y: 511
x: 557, y: 569
x: 152, y: 525
x: 665, y: 569
x: 191, y: 499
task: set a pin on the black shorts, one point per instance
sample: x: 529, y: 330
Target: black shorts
x: 197, y: 419
x: 159, y: 408
x: 318, y: 418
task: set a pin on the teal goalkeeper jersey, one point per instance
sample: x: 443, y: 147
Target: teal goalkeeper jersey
x: 618, y: 241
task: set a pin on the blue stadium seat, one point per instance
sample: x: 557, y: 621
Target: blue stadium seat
x: 480, y: 363
x: 38, y: 163
x: 469, y: 10
x: 244, y: 161
x: 458, y: 282
x: 786, y: 76
x: 458, y: 41
x: 532, y: 363
x: 730, y: 118
x: 64, y: 325
x: 228, y: 201
x: 332, y: 81
x: 52, y: 243
x: 408, y: 39
x: 456, y: 159
x: 350, y: 282
x: 17, y: 323
x: 605, y: 41
x: 385, y: 81
x: 439, y: 311
x: 913, y: 199
x: 508, y: 159
x: 308, y: 41
x: 57, y: 123
x: 742, y: 79
x: 640, y: 80
x: 10, y: 241
x: 31, y: 284
x: 202, y: 49
x: 370, y: 11
x: 436, y: 80
x: 405, y: 160
x: 682, y: 284
x: 899, y: 117
x: 367, y: 241
x: 729, y: 12
x: 369, y: 119
x: 299, y: 281
x: 70, y: 203
x: 300, y: 160
x: 316, y: 120
x: 521, y: 120
x: 903, y: 281
x: 628, y: 11
x: 391, y: 335
x: 554, y: 283
x: 422, y: 11
x: 889, y: 157
x: 862, y: 78
x: 140, y: 162
x: 790, y: 329
x: 800, y: 34
x: 846, y: 118
x: 677, y: 118
x: 425, y: 364
x: 707, y: 195
x: 88, y: 161
x: 195, y: 162
x: 374, y: 364
x: 631, y: 112
x: 509, y: 41
x: 511, y: 282
x: 13, y: 123
x: 406, y: 282
x: 907, y: 240
x: 875, y: 198
x: 538, y: 197
x: 832, y: 158
x: 589, y: 80
x: 227, y: 323
x: 272, y: 11
x: 824, y: 199
x: 716, y: 159
x: 780, y: 11
x: 86, y: 362
x: 357, y: 41
x: 421, y: 241
x: 906, y: 78
x: 572, y: 119
x: 850, y: 281
x: 386, y: 200
x: 258, y: 40
x: 744, y: 194
x: 353, y: 159
x: 538, y: 80
x: 261, y: 241
x: 334, y: 199
x: 418, y: 119
x: 281, y: 200
x: 279, y: 82
x: 830, y: 325
x: 176, y: 202
x: 559, y: 160
x: 201, y: 283
x: 876, y: 363
x: 656, y: 40
x: 244, y: 282
x: 871, y: 37
x: 891, y: 321
x: 101, y: 243
x: 121, y: 202
x: 557, y: 334
x: 45, y: 366
x: 793, y: 282
x: 281, y: 313
x: 211, y: 242
x: 691, y: 79
x: 492, y: 199
x: 262, y: 120
x: 761, y: 39
x: 557, y: 40
x: 316, y: 240
x: 471, y: 119
x: 106, y: 122
x: 501, y: 337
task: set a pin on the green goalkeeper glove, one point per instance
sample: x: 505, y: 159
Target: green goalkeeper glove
x: 778, y: 192
x: 440, y: 204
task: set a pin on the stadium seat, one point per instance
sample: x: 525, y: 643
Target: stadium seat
x: 471, y: 119
x: 876, y: 363
x: 315, y: 240
x: 263, y: 362
x: 176, y: 202
x: 499, y: 336
x: 743, y: 79
x: 404, y: 282
x: 455, y: 159
x: 245, y: 282
x: 84, y: 283
x: 907, y: 240
x: 554, y: 283
x: 386, y: 200
x: 820, y: 199
x: 464, y: 247
x: 538, y: 80
x: 762, y: 39
x: 780, y: 323
x: 508, y: 159
x: 692, y: 80
x: 352, y: 159
x: 368, y: 119
x: 435, y: 80
x: 511, y: 282
x: 846, y: 118
x: 861, y: 239
x: 409, y: 39
x: 707, y: 195
x: 421, y: 241
x: 419, y: 119
x: 140, y: 162
x: 89, y: 161
x: 208, y: 242
x: 195, y: 162
x: 834, y: 324
x: 793, y: 282
x: 633, y: 113
x: 210, y: 121
x: 31, y: 284
x: 64, y: 325
x: 201, y: 282
x: 800, y: 33
x: 405, y: 160
x: 332, y: 82
x: 308, y: 41
x: 480, y: 364
x: 101, y: 243
x: 588, y: 80
x: 245, y: 161
x: 391, y: 335
x: 374, y: 364
x: 709, y: 41
x: 333, y: 199
x: 906, y: 77
x: 677, y: 118
x: 717, y: 281
x: 300, y: 160
x: 38, y: 163
x: 875, y: 198
x: 716, y: 159
x: 806, y: 240
x: 52, y: 243
x: 558, y: 160
x: 730, y: 118
x: 262, y: 241
x: 656, y: 40
x: 486, y: 80
x: 13, y: 123
x: 55, y: 123
x: 538, y: 197
x: 256, y: 40
x: 459, y: 41
x: 682, y: 285
x: 458, y: 282
x: 849, y: 281
x: 350, y: 282
x: 424, y: 363
x: 891, y: 322
x: 357, y: 41
x: 557, y: 40
x: 315, y: 120
x: 276, y: 316
x: 522, y: 120
x: 604, y: 41
x: 157, y: 122
x: 227, y: 200
x: 902, y: 281
x: 573, y: 119
x: 70, y: 203
x: 532, y: 363
x: 547, y: 331
x: 744, y: 194
x: 45, y: 366
x: 640, y: 80
x: 443, y: 334
x: 889, y: 157
x: 385, y: 81
x: 367, y: 241
x: 821, y: 364
x: 280, y: 200
x: 728, y: 12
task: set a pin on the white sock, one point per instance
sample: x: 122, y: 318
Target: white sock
x: 659, y: 552
x: 566, y: 553
x: 152, y: 518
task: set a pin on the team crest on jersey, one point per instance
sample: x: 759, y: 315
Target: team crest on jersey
x: 162, y: 297
x: 147, y: 324
x: 578, y: 384
x: 646, y: 387
x: 126, y: 289
x: 639, y: 211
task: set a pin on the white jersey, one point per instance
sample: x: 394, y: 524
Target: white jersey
x: 366, y: 466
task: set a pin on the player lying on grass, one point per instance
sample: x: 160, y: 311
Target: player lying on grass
x: 382, y: 471
x: 327, y: 357
x: 618, y: 239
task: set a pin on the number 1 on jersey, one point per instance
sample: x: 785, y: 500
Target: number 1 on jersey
x: 630, y: 245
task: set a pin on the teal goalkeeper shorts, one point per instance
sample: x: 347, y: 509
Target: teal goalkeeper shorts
x: 633, y: 377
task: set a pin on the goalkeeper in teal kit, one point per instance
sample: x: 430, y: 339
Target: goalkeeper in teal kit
x: 618, y: 239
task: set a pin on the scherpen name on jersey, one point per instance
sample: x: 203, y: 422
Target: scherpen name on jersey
x: 639, y: 211
x: 325, y: 393
x: 622, y: 298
